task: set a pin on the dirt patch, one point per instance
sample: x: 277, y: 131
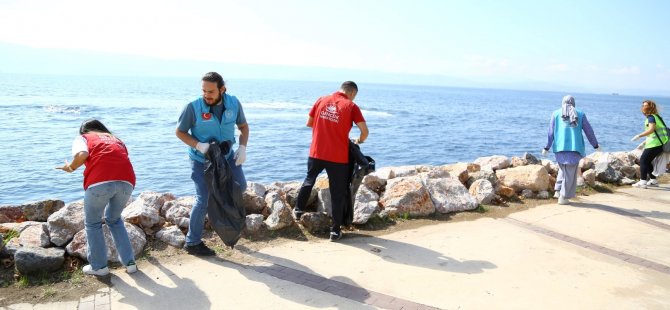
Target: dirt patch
x: 71, y: 284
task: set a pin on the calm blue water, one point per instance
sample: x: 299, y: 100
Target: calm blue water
x: 408, y: 125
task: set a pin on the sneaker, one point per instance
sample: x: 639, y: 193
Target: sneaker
x: 641, y: 184
x: 199, y: 249
x: 563, y: 201
x: 556, y: 194
x: 335, y: 235
x: 131, y: 267
x: 652, y: 182
x: 100, y: 272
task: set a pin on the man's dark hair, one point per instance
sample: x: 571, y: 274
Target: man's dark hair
x: 349, y: 86
x: 92, y: 125
x: 215, y: 78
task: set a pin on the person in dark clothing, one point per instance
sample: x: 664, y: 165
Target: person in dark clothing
x: 657, y: 135
x: 331, y: 120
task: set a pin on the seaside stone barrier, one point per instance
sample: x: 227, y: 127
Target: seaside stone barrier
x: 415, y: 190
x: 66, y: 222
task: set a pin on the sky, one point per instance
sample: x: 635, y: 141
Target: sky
x: 599, y: 46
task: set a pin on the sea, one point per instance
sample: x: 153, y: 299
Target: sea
x: 409, y: 125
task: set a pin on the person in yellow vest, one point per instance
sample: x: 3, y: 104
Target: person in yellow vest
x: 657, y: 135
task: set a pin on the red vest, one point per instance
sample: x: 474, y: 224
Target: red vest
x: 107, y: 161
x: 333, y: 118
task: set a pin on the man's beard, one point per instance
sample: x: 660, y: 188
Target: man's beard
x: 215, y: 102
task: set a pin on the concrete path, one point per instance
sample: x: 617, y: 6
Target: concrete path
x: 604, y: 251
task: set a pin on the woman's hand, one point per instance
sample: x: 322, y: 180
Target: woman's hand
x: 66, y: 167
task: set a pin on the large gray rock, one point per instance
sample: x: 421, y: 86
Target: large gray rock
x: 254, y: 198
x: 407, y: 195
x: 606, y: 173
x: 171, y: 235
x: 482, y: 190
x: 449, y: 195
x: 36, y: 235
x: 154, y: 199
x: 488, y: 175
x: 531, y: 159
x: 374, y: 182
x: 366, y: 203
x: 137, y: 237
x: 33, y: 260
x: 254, y: 224
x: 280, y: 213
x: 461, y: 171
x: 494, y: 163
x: 32, y: 211
x: 178, y: 211
x: 66, y: 222
x: 316, y: 222
x: 589, y: 177
x: 533, y: 177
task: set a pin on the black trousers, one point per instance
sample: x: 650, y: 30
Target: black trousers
x: 338, y: 180
x: 648, y: 155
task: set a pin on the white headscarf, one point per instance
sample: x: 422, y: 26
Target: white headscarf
x: 568, y: 112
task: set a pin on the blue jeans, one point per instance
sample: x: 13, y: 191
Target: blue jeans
x: 113, y: 196
x: 199, y: 210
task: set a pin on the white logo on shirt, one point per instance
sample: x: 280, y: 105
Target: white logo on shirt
x: 330, y: 113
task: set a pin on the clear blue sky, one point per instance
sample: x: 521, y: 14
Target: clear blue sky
x: 586, y: 45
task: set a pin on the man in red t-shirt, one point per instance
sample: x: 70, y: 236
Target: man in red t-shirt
x: 331, y: 119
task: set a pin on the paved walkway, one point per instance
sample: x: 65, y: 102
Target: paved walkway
x: 605, y: 251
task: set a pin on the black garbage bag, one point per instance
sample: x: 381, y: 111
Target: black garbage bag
x: 224, y: 206
x: 359, y: 166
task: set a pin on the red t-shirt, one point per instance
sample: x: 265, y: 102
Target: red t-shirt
x: 333, y: 118
x: 107, y: 161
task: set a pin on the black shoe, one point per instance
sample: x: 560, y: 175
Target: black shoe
x: 297, y: 214
x: 199, y: 249
x: 335, y: 235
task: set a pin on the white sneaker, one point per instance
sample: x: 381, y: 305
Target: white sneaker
x: 641, y: 184
x: 556, y: 194
x: 652, y: 182
x: 131, y: 267
x: 563, y: 201
x: 100, y: 272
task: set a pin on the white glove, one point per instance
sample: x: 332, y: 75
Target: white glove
x: 599, y: 149
x: 202, y: 147
x: 240, y: 155
x: 544, y: 152
x: 635, y: 138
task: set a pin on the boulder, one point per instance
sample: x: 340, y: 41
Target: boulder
x: 589, y: 177
x: 606, y: 173
x: 172, y: 235
x: 32, y: 211
x: 66, y: 222
x: 78, y: 246
x: 254, y: 224
x: 145, y: 212
x: 494, y: 163
x: 505, y: 191
x: 34, y: 260
x: 254, y: 198
x: 482, y: 191
x: 460, y: 170
x: 449, y: 195
x: 36, y: 235
x: 532, y: 177
x: 407, y: 195
x: 366, y: 203
x: 178, y: 211
x: 488, y: 175
x: 528, y: 194
x: 280, y: 215
x: 316, y: 222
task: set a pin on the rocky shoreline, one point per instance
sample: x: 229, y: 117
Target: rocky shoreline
x: 41, y: 236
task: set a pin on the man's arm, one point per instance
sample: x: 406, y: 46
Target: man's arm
x: 310, y: 122
x: 244, y: 133
x: 364, y: 132
x: 186, y: 138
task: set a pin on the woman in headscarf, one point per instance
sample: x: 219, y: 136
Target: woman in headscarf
x: 657, y: 135
x: 109, y: 180
x: 567, y: 142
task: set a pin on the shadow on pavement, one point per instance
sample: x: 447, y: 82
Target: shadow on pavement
x: 409, y: 254
x: 147, y: 293
x: 635, y: 213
